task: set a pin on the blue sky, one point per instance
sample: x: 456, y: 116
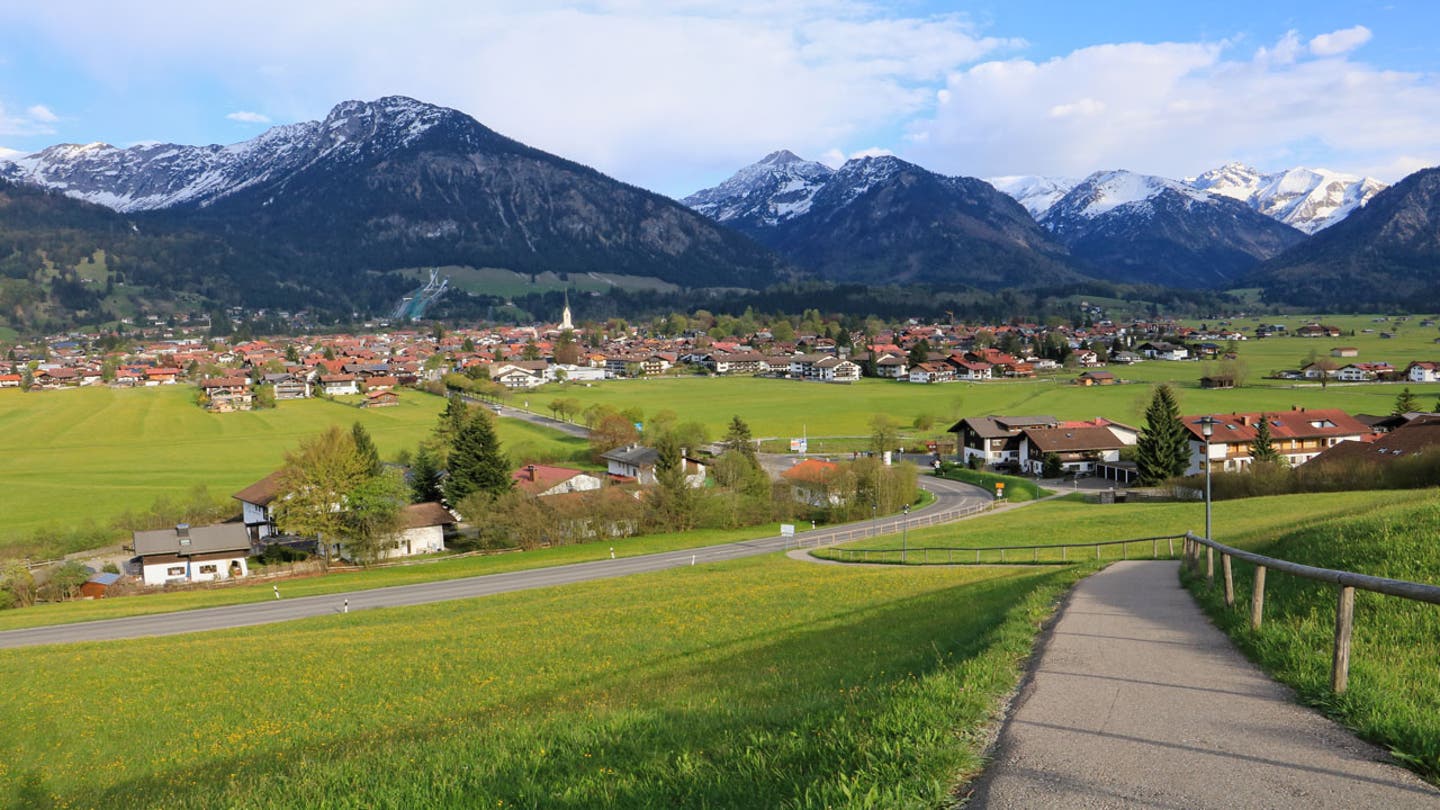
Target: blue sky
x: 674, y: 96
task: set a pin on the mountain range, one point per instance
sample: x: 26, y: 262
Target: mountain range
x: 321, y: 212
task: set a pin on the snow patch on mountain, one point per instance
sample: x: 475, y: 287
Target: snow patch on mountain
x: 1105, y: 192
x: 1036, y: 193
x: 1308, y: 199
x: 153, y: 176
x: 778, y: 187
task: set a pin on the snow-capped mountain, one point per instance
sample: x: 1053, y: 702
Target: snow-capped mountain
x: 883, y: 220
x: 1035, y: 192
x: 396, y: 183
x: 155, y: 176
x: 1308, y: 199
x: 763, y: 194
x: 1132, y: 227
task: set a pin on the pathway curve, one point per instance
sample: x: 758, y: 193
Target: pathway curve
x: 1136, y: 700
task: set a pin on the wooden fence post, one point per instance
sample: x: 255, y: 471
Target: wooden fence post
x: 1229, y: 580
x: 1171, y: 541
x: 1097, y: 551
x: 1064, y: 553
x: 1257, y: 599
x: 1209, y: 567
x: 1154, y: 549
x: 1344, y: 623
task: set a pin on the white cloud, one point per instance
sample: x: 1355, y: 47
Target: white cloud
x: 1177, y: 109
x: 247, y: 117
x: 40, y: 112
x: 7, y: 153
x: 650, y: 91
x: 1338, y: 42
x: 835, y: 158
x: 27, y: 123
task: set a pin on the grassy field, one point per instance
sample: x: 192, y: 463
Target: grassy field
x: 1394, y: 696
x: 1017, y: 489
x: 93, y: 453
x: 789, y: 408
x: 1071, y: 521
x: 759, y: 683
x: 260, y: 590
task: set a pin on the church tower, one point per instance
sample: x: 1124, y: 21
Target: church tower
x: 565, y: 314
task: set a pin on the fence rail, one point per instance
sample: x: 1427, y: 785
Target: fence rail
x: 1346, y: 581
x: 964, y: 552
x: 888, y: 525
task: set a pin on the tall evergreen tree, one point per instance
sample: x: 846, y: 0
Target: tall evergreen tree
x: 737, y: 438
x: 424, y: 477
x: 476, y: 461
x: 1163, y: 450
x: 1262, y: 450
x: 1406, y: 402
x: 365, y: 449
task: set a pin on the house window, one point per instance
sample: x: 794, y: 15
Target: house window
x: 175, y: 571
x: 209, y: 569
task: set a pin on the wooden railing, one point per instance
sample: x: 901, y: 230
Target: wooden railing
x: 1346, y: 582
x: 1002, y: 554
x: 892, y: 524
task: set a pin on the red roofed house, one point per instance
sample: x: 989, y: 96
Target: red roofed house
x: 1299, y: 435
x: 541, y: 480
x: 815, y: 482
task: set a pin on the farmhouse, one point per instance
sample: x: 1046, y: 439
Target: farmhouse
x: 543, y: 481
x: 334, y: 385
x: 814, y: 482
x: 1078, y: 448
x: 1089, y: 378
x: 1299, y: 435
x: 422, y: 531
x: 380, y: 399
x: 995, y: 439
x: 255, y: 511
x: 192, y: 554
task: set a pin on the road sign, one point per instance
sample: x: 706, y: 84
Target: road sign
x: 999, y: 489
x: 799, y: 445
x: 787, y: 529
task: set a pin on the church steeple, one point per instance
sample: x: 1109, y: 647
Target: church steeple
x: 565, y: 314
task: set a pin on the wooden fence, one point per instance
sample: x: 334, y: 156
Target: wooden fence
x: 1345, y: 581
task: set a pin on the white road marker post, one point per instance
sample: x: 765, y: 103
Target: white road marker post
x: 692, y: 560
x: 347, y: 605
x: 277, y: 590
x: 612, y: 552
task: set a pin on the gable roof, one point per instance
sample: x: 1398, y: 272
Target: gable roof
x: 1299, y: 423
x: 536, y: 478
x: 1072, y: 440
x: 262, y: 492
x: 635, y: 455
x: 423, y: 515
x: 202, y: 540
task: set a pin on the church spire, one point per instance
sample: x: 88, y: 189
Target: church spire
x: 565, y: 314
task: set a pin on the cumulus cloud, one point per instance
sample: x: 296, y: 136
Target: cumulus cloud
x: 658, y: 93
x: 41, y: 113
x: 247, y: 117
x: 35, y: 121
x: 1180, y: 108
x: 1338, y: 42
x: 835, y: 158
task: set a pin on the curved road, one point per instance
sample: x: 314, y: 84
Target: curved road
x: 952, y: 500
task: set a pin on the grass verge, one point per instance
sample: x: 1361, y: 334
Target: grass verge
x: 757, y: 683
x: 1017, y: 488
x: 1393, y: 697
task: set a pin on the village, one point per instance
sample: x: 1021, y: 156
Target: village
x: 500, y: 365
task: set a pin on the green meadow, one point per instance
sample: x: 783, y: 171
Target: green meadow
x: 1071, y: 520
x: 93, y: 453
x: 758, y: 683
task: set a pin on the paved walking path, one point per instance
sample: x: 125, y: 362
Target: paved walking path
x: 1136, y: 700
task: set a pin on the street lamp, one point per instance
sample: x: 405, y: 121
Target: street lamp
x: 904, y: 532
x: 874, y: 515
x: 1207, y: 429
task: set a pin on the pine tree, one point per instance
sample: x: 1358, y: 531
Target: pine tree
x: 424, y: 477
x: 1163, y: 450
x: 1406, y: 402
x: 1262, y: 451
x: 737, y: 438
x: 476, y: 462
x: 365, y: 448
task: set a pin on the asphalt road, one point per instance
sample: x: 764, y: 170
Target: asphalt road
x: 1137, y: 700
x: 950, y: 498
